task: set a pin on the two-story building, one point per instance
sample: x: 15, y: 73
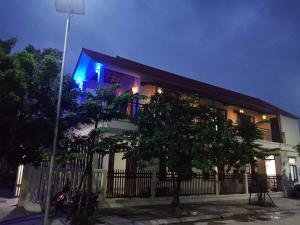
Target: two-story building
x: 95, y: 69
x: 111, y: 178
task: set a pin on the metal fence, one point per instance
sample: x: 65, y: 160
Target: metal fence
x: 121, y: 183
x: 231, y: 184
x: 267, y: 183
x: 274, y: 183
x: 128, y: 184
x: 196, y: 184
x: 67, y: 177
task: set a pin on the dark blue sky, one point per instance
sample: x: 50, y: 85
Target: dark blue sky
x: 252, y: 46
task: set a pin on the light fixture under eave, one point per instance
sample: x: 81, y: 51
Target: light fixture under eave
x: 159, y: 90
x: 264, y: 117
x: 134, y: 89
x: 242, y: 111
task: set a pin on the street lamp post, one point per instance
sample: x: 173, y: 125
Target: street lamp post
x: 69, y: 7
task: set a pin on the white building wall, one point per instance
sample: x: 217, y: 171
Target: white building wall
x: 290, y: 127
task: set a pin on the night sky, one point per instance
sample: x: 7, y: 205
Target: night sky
x: 252, y: 46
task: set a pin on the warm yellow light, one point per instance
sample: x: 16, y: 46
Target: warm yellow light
x: 242, y: 111
x: 159, y: 91
x: 264, y: 117
x: 134, y: 89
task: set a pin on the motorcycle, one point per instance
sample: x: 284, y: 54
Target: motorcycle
x: 58, y: 202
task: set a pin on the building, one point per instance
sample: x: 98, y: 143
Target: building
x: 95, y: 69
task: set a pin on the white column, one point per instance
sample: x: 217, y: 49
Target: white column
x: 103, y: 187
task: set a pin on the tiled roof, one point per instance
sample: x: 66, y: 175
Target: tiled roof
x: 162, y: 77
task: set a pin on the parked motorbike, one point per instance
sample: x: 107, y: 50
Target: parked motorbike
x: 58, y: 202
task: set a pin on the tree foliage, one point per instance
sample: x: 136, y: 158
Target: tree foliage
x: 98, y: 108
x: 28, y: 97
x: 175, y: 128
x: 250, y: 149
x: 224, y: 145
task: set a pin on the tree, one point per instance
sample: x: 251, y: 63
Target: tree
x: 224, y: 144
x: 251, y: 151
x: 102, y: 106
x: 28, y: 96
x: 173, y: 127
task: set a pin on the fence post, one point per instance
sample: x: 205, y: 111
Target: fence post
x: 217, y: 184
x: 246, y: 183
x: 153, y: 183
x: 103, y: 187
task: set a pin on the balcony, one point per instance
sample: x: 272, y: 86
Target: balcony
x: 267, y: 134
x: 275, y: 136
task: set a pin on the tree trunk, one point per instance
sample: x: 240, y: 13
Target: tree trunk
x: 90, y: 171
x: 258, y: 184
x: 221, y: 178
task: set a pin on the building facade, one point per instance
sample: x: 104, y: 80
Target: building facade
x: 95, y: 69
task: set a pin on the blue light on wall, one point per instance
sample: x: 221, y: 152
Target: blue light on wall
x: 98, y: 69
x: 80, y: 73
x: 85, y: 70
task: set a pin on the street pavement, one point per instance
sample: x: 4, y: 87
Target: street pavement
x: 214, y: 213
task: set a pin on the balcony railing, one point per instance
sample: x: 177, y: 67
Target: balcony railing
x: 267, y: 135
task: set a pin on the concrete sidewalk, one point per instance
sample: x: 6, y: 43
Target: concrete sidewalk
x: 198, y: 212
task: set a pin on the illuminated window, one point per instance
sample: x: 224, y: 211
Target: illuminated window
x: 293, y: 169
x: 292, y: 161
x: 270, y: 157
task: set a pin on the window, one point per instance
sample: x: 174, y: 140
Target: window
x: 293, y: 169
x: 292, y: 161
x: 270, y: 165
x: 270, y: 157
x: 222, y: 115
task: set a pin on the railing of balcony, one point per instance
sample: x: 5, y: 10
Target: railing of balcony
x: 267, y: 134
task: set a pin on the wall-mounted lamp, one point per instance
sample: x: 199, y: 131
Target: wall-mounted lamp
x: 264, y: 117
x: 159, y: 90
x: 79, y: 81
x: 98, y: 67
x: 134, y: 89
x: 242, y: 111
